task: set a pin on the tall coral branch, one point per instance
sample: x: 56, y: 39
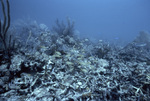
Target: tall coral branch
x: 4, y: 26
x: 6, y: 23
x: 8, y: 18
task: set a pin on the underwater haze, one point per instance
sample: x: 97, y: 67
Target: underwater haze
x: 112, y: 20
x: 75, y: 50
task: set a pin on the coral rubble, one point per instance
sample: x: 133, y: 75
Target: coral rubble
x: 50, y: 66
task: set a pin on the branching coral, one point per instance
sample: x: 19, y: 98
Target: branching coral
x: 5, y: 39
x: 64, y: 30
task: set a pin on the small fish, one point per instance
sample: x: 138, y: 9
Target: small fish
x: 116, y: 38
x: 43, y: 47
x: 141, y: 45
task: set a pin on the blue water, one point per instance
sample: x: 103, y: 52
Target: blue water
x: 112, y: 20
